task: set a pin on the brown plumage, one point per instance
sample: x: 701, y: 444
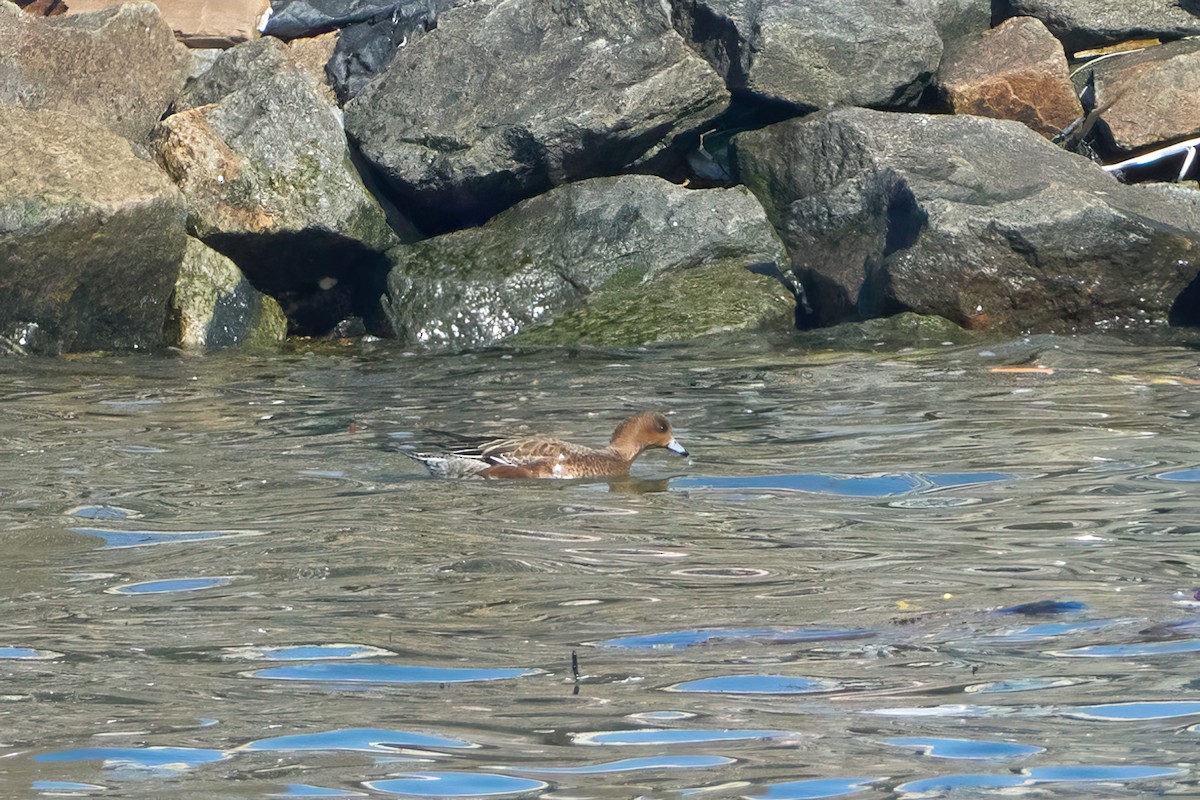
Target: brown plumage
x: 545, y: 457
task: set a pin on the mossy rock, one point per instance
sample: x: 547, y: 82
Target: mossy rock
x: 610, y: 244
x: 685, y: 305
x: 215, y: 306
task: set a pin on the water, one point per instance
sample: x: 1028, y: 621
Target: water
x: 882, y: 575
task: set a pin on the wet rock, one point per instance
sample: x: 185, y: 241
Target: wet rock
x: 1080, y: 24
x: 121, y: 66
x: 506, y: 99
x: 263, y: 161
x: 892, y: 334
x: 1015, y: 71
x: 213, y: 305
x: 1149, y: 97
x: 704, y: 300
x: 26, y: 339
x: 980, y: 221
x: 650, y: 259
x: 828, y: 52
x: 91, y: 236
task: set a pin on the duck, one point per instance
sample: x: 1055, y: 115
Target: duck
x: 547, y: 457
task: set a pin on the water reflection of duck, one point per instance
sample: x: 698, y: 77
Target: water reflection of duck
x: 545, y: 457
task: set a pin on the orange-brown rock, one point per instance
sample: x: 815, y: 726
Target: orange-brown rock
x: 1015, y: 71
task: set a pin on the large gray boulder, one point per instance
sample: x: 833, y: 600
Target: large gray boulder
x: 262, y: 158
x: 818, y: 53
x: 980, y: 221
x: 650, y: 259
x: 507, y: 99
x: 1080, y: 24
x: 91, y: 236
x: 121, y: 65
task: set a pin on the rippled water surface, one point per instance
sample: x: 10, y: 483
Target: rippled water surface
x: 912, y: 574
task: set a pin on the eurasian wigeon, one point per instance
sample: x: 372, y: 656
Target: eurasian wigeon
x: 544, y: 457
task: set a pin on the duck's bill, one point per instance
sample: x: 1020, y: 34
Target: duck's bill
x: 676, y: 447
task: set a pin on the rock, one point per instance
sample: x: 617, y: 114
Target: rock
x: 1015, y: 71
x: 213, y: 305
x: 818, y: 53
x: 201, y: 23
x: 705, y: 300
x: 893, y: 334
x: 202, y: 60
x: 1080, y: 24
x: 267, y: 174
x: 623, y: 246
x: 121, y: 66
x: 239, y: 68
x: 980, y: 221
x: 312, y: 55
x: 504, y: 100
x: 91, y: 236
x: 1148, y: 97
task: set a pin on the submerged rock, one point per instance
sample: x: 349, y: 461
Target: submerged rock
x: 91, y: 236
x: 1015, y: 71
x: 980, y: 221
x: 213, y: 305
x: 816, y: 53
x: 121, y: 66
x: 260, y: 154
x: 649, y: 259
x: 890, y: 334
x: 507, y: 99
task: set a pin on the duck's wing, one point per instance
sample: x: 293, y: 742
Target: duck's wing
x: 528, y: 450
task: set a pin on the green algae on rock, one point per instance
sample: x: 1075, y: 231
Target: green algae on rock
x: 714, y: 298
x: 566, y: 248
x: 213, y: 305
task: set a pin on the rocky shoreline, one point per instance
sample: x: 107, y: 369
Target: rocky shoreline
x: 454, y: 174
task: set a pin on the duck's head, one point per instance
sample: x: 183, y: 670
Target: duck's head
x: 643, y: 431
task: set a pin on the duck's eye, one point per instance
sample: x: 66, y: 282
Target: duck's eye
x: 662, y: 427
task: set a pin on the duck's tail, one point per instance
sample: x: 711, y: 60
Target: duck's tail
x: 449, y: 465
